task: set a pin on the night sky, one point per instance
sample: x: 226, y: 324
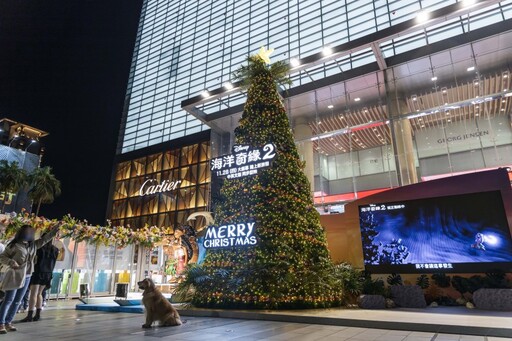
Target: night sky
x: 64, y: 69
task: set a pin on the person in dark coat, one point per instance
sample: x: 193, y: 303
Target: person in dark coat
x: 41, y: 278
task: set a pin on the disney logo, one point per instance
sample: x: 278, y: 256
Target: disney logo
x: 239, y: 148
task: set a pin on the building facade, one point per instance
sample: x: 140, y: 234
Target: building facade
x: 385, y: 94
x: 19, y: 143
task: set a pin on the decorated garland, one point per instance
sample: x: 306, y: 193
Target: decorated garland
x: 82, y: 231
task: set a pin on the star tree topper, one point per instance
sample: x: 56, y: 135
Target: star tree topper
x: 264, y: 54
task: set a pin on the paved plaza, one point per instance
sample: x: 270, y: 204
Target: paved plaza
x: 64, y: 323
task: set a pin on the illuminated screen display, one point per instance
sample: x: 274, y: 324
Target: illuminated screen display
x: 459, y: 233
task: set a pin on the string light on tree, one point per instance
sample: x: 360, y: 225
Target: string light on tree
x: 289, y: 266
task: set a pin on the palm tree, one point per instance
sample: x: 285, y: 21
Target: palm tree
x: 12, y: 179
x: 44, y: 186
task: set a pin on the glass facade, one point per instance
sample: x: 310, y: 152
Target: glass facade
x: 428, y: 99
x: 185, y: 47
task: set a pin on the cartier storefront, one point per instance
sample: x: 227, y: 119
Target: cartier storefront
x: 163, y: 188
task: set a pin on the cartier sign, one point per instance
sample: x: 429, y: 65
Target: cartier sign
x: 152, y: 186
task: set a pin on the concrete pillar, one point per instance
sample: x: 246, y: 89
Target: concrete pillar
x: 303, y: 134
x: 403, y: 145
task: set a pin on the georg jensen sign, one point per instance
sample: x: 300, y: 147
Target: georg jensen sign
x: 152, y: 186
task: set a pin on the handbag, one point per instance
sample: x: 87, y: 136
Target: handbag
x: 13, y: 278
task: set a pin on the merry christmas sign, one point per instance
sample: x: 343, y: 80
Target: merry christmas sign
x: 229, y: 235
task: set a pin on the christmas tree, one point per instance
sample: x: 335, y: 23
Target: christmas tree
x: 290, y: 267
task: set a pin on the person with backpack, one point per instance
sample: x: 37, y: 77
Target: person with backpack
x: 17, y: 262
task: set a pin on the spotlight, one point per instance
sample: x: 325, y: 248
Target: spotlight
x: 327, y: 51
x: 433, y: 79
x: 228, y: 86
x: 330, y: 106
x: 467, y: 3
x: 422, y: 16
x: 205, y: 93
x: 471, y: 68
x: 357, y: 99
x: 294, y: 62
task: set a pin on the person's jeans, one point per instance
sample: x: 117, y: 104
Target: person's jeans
x: 24, y: 302
x: 11, y: 302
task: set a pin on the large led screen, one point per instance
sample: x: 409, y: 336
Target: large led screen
x: 459, y: 233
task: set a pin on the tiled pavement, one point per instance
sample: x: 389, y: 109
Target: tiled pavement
x: 63, y: 323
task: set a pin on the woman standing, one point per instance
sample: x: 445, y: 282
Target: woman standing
x: 20, y: 253
x: 41, y: 278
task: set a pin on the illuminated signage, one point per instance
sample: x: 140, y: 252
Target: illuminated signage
x: 151, y: 186
x: 230, y: 235
x: 244, y: 161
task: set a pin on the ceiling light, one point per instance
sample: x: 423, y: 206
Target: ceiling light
x: 467, y: 3
x: 357, y: 99
x: 294, y: 62
x: 423, y: 126
x: 477, y: 114
x: 327, y: 51
x: 433, y: 79
x: 320, y: 122
x: 228, y: 86
x: 475, y: 83
x: 449, y: 120
x: 330, y: 106
x: 471, y: 68
x: 505, y: 75
x: 205, y: 93
x: 422, y: 16
x: 502, y: 110
x: 505, y: 89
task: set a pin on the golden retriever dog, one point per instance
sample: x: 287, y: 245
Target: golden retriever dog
x: 157, y: 307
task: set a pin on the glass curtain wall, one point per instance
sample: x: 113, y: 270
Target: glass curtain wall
x: 437, y: 116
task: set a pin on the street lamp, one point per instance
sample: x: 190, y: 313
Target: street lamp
x: 31, y: 142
